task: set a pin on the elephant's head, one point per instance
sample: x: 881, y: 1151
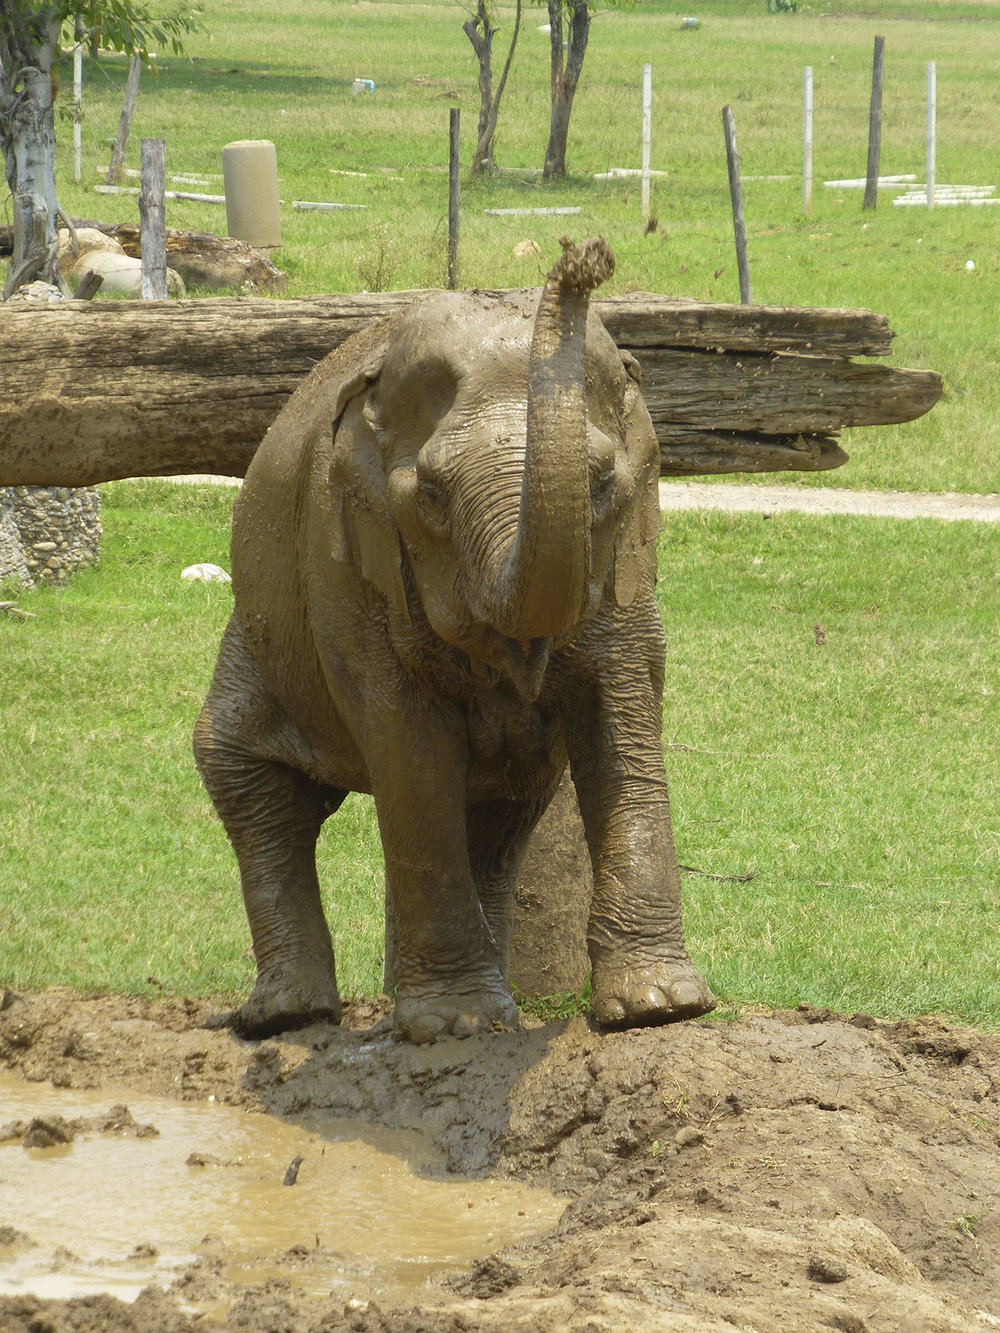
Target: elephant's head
x: 508, y: 442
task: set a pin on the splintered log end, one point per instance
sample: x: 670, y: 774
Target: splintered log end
x: 716, y: 453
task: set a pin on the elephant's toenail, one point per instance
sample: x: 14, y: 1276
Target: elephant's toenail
x: 614, y: 1012
x: 466, y: 1025
x: 685, y: 993
x: 426, y: 1029
x: 654, y: 1000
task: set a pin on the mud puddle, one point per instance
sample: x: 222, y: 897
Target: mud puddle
x: 138, y: 1196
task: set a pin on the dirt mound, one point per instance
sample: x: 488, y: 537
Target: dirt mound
x: 793, y: 1171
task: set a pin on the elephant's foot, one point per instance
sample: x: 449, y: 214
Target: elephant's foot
x: 280, y: 1006
x: 426, y: 1010
x: 639, y: 990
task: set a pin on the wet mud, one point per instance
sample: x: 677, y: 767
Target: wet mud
x: 114, y: 1197
x: 790, y: 1170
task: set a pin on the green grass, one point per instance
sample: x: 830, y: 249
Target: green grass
x: 118, y: 873
x: 253, y: 74
x: 858, y: 779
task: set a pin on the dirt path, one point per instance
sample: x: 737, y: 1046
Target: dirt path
x: 793, y: 1171
x: 676, y: 494
x: 949, y: 506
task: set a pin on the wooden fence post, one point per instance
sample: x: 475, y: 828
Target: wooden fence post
x: 807, y: 141
x: 152, y: 220
x: 736, y: 195
x: 454, y: 143
x: 931, y: 131
x: 125, y: 121
x: 875, y: 125
x: 647, y: 117
x: 77, y: 109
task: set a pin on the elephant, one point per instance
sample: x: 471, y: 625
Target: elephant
x: 443, y: 564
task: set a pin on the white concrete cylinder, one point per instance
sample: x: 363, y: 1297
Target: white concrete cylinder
x: 250, y: 174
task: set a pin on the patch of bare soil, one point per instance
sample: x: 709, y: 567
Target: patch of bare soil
x: 752, y: 497
x: 792, y: 1170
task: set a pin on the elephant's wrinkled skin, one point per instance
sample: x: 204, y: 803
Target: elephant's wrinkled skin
x: 443, y: 566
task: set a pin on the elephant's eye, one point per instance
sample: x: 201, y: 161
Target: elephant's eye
x: 601, y: 486
x: 602, y: 469
x: 433, y: 506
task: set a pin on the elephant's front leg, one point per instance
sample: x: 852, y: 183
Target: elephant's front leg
x: 272, y: 814
x: 641, y: 971
x: 449, y: 973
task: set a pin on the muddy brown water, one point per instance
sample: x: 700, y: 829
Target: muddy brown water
x: 113, y: 1212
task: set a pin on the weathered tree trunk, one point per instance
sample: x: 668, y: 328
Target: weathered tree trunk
x: 96, y: 391
x: 489, y: 102
x: 566, y: 66
x: 480, y: 32
x: 125, y: 120
x: 28, y: 53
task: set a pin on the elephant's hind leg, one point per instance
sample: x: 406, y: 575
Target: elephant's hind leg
x: 272, y: 813
x: 498, y: 833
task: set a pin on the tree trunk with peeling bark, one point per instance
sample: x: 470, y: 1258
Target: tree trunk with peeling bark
x: 566, y: 66
x: 29, y: 48
x: 480, y: 31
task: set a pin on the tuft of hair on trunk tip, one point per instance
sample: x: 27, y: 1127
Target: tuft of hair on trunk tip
x: 581, y: 268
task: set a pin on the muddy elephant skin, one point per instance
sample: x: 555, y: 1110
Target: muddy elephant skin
x: 443, y: 568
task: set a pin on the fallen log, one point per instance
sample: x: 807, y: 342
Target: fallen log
x: 213, y: 262
x: 203, y: 259
x: 92, y: 392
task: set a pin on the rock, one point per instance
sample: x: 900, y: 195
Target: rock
x: 94, y: 252
x: 47, y: 1132
x: 122, y: 275
x: 826, y: 1268
x: 48, y: 533
x: 13, y: 561
x: 689, y: 1136
x: 37, y: 293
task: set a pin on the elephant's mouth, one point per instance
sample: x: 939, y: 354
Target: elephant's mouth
x: 525, y: 663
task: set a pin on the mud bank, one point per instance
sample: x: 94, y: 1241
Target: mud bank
x: 792, y: 1170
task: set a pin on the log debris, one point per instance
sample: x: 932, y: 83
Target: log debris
x: 92, y: 391
x: 203, y: 259
x: 209, y: 261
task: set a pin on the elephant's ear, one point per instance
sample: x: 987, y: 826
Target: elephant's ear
x: 635, y: 548
x: 362, y: 531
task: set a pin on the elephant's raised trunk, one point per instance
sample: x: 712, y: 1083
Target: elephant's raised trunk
x: 546, y: 569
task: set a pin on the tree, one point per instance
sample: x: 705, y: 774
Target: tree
x: 30, y: 33
x: 566, y: 66
x: 480, y: 28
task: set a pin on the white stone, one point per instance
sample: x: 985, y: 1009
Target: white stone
x: 103, y: 254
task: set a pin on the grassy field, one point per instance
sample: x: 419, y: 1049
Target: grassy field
x: 253, y: 75
x: 856, y: 779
